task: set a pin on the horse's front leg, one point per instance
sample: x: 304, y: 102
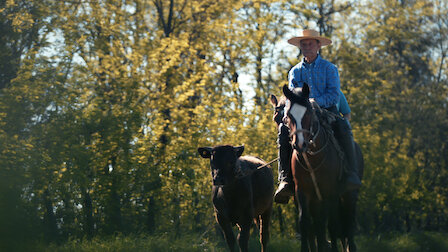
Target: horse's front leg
x: 306, y: 230
x: 320, y: 222
x: 348, y: 208
x: 334, y: 224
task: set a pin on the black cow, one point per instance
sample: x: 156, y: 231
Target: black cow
x: 241, y: 193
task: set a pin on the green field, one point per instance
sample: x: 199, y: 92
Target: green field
x: 393, y: 242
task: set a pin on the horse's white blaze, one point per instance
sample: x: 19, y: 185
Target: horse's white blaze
x: 297, y: 113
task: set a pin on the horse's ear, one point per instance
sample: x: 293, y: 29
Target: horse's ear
x: 205, y: 152
x: 287, y: 92
x: 306, y: 90
x: 239, y: 150
x: 274, y: 100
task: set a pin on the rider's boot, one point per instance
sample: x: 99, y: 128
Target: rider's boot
x: 345, y: 138
x: 286, y: 185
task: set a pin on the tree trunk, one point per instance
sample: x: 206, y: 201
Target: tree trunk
x: 51, y: 229
x: 150, y: 217
x: 88, y: 215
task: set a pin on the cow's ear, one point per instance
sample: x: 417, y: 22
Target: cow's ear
x: 274, y: 100
x: 205, y: 152
x: 239, y: 150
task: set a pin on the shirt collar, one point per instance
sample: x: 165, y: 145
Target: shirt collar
x: 315, y: 62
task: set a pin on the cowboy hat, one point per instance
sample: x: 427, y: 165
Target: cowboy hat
x: 309, y: 34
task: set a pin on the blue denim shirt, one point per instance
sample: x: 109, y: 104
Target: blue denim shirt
x: 321, y: 76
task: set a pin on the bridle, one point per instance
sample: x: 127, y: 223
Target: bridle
x: 312, y: 139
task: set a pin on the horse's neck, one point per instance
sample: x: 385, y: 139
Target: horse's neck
x: 326, y: 133
x: 320, y: 131
x: 320, y: 134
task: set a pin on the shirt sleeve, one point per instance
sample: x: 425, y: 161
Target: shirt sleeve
x: 293, y: 81
x: 331, y: 95
x: 344, y: 108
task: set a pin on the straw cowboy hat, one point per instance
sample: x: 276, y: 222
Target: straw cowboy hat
x: 309, y: 34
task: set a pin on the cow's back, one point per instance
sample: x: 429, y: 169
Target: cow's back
x: 262, y: 183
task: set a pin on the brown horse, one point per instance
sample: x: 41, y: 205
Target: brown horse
x: 317, y: 165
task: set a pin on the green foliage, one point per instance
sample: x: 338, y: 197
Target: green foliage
x: 396, y: 106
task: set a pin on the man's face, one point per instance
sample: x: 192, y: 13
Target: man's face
x: 309, y: 47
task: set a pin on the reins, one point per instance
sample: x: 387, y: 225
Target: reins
x: 313, y: 176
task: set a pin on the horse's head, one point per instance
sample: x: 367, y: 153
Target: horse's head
x: 222, y: 162
x: 299, y: 113
x: 279, y: 106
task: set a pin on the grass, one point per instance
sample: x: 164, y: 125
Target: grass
x: 135, y: 243
x: 420, y: 241
x: 393, y: 242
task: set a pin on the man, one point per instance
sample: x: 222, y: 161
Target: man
x: 323, y: 80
